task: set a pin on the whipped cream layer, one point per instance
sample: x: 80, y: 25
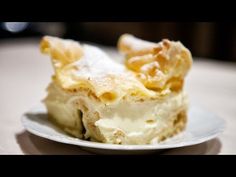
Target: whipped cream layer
x: 123, y: 122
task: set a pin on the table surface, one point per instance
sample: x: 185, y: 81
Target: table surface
x: 25, y: 73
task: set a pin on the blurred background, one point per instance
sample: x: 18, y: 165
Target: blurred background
x: 204, y: 39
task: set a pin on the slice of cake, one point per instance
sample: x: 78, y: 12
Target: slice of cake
x: 141, y: 101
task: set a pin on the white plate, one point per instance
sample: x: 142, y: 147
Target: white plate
x: 202, y: 126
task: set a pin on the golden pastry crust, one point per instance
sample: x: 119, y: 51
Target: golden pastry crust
x: 151, y: 71
x: 62, y: 52
x: 87, y: 67
x: 157, y: 65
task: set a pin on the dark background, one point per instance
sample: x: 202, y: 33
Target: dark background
x: 204, y: 39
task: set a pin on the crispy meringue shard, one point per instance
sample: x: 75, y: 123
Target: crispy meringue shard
x: 141, y: 101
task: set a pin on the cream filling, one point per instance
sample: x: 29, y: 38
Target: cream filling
x: 138, y: 122
x: 124, y: 122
